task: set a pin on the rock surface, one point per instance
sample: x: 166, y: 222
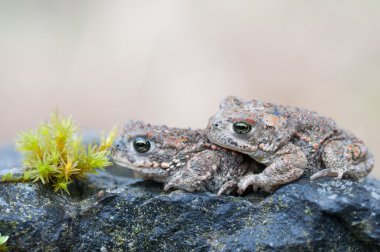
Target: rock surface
x: 110, y: 213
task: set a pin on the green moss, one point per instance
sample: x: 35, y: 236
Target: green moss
x: 55, y: 155
x: 3, y: 240
x: 9, y: 177
x: 281, y: 202
x: 307, y: 211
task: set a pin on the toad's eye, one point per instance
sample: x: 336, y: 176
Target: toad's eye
x: 141, y: 144
x: 241, y: 127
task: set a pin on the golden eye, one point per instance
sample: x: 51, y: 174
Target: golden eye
x: 141, y: 144
x: 241, y: 127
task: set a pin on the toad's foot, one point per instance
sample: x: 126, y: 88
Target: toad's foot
x: 256, y: 181
x: 228, y: 187
x: 327, y: 173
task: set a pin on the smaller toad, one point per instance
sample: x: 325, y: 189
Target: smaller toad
x: 180, y: 158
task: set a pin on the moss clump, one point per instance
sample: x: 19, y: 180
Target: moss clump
x: 55, y: 155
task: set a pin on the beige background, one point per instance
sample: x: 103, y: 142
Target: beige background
x: 171, y: 62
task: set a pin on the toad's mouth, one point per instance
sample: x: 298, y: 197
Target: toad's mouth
x: 127, y: 164
x: 141, y: 168
x: 232, y: 144
x: 123, y: 163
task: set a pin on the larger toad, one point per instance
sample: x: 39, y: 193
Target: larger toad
x: 289, y: 141
x: 180, y: 158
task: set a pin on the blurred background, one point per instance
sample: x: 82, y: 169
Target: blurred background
x: 171, y: 62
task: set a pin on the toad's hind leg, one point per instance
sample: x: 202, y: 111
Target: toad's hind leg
x: 345, y: 158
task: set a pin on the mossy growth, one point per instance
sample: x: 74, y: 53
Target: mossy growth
x: 3, y: 240
x: 55, y: 155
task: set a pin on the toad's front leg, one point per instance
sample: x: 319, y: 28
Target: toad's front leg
x: 195, y: 175
x: 288, y: 165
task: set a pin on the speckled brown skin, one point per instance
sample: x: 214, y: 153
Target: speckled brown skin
x: 290, y: 142
x: 182, y: 159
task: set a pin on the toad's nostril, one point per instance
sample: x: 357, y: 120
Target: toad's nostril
x: 118, y: 144
x: 215, y: 125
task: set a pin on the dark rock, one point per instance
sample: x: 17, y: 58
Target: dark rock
x: 109, y: 213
